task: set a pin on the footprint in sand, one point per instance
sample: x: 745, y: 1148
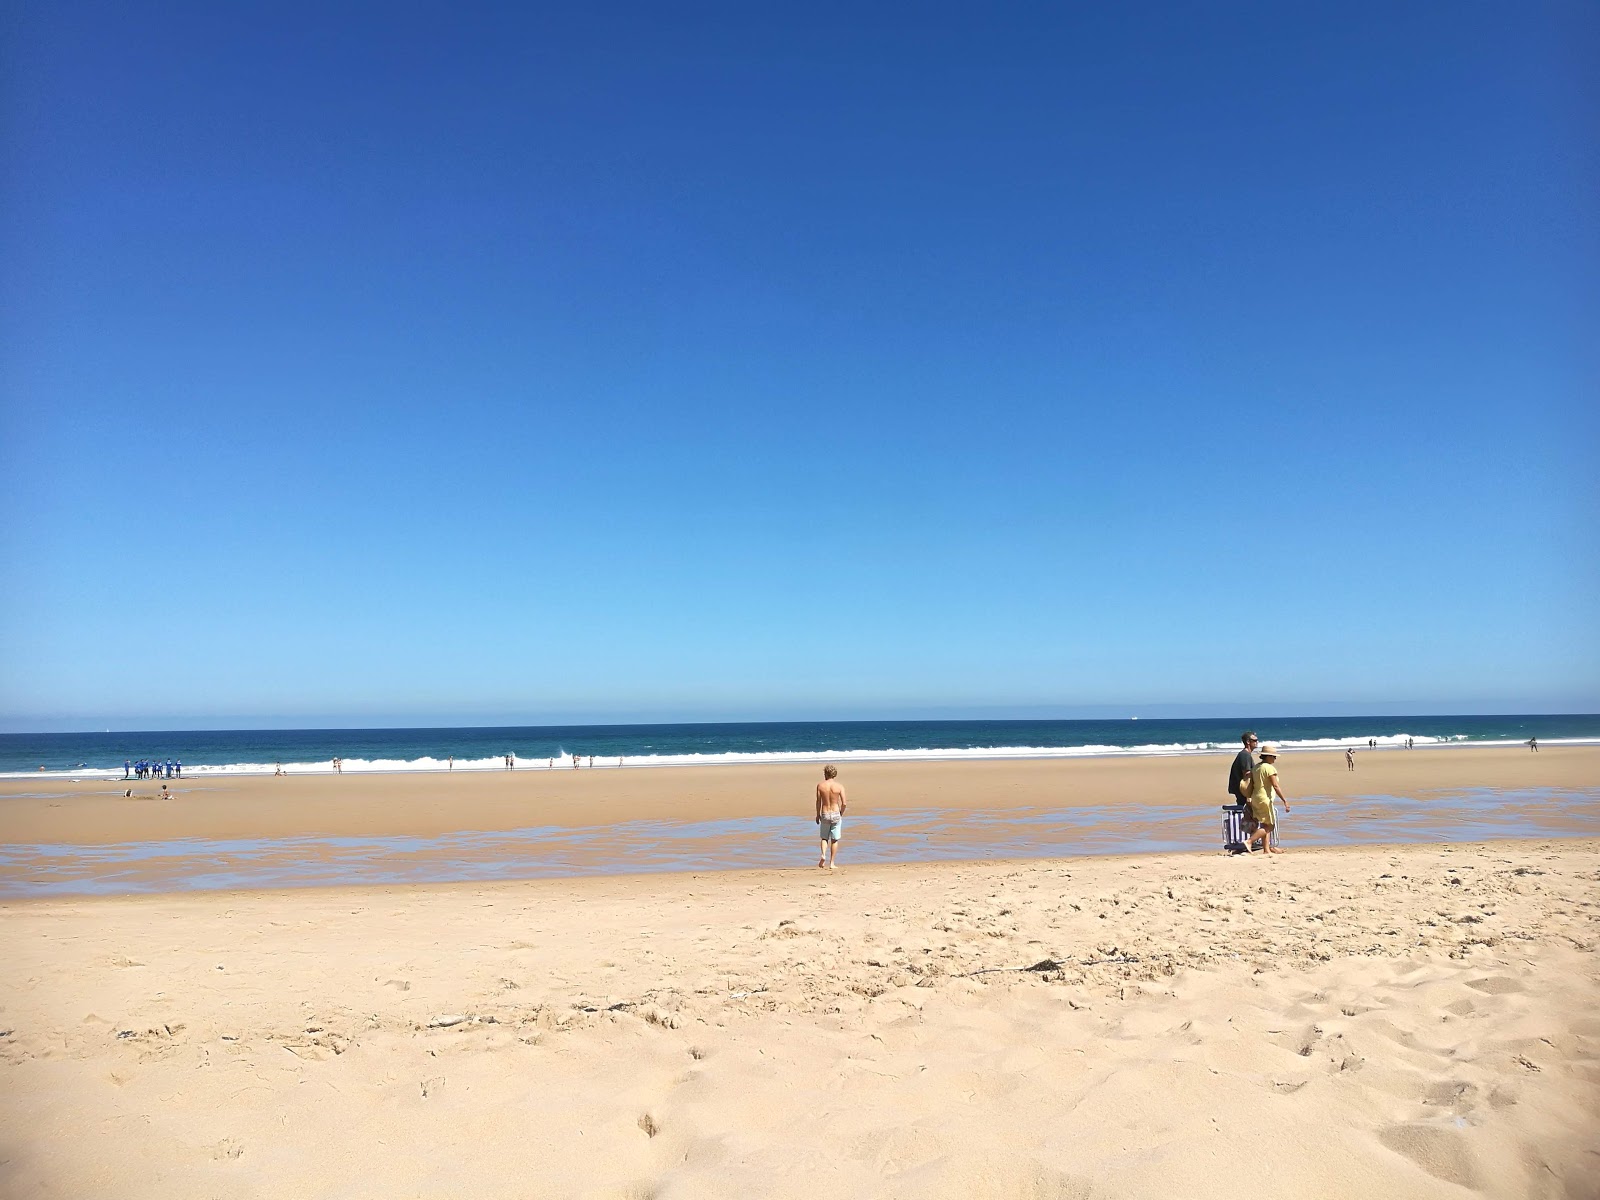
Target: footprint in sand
x: 1497, y: 985
x: 1441, y: 1152
x: 1450, y: 1093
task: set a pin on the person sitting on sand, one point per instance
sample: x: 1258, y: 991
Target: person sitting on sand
x: 830, y: 815
x: 1264, y: 785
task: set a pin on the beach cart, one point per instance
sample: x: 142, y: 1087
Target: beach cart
x: 1233, y: 828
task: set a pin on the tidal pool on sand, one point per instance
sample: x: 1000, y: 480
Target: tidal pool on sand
x: 633, y: 847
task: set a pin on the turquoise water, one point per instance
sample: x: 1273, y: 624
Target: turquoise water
x: 635, y: 847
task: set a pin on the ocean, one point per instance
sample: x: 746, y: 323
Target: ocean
x: 262, y: 751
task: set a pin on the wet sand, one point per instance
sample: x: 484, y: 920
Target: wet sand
x: 1393, y: 1021
x: 787, y: 842
x: 428, y: 805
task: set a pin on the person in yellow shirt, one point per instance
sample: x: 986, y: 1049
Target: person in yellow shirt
x: 1264, y: 786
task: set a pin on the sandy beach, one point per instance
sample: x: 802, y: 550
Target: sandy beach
x: 1410, y: 1021
x: 422, y: 805
x: 1402, y: 1020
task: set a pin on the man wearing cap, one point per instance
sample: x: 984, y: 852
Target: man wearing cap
x: 1263, y: 787
x: 1244, y: 765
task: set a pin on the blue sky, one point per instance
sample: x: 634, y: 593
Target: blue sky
x: 448, y: 363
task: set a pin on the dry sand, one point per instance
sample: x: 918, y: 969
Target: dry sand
x: 1416, y: 1021
x: 95, y: 812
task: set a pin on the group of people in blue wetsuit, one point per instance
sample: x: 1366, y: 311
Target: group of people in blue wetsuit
x: 150, y: 768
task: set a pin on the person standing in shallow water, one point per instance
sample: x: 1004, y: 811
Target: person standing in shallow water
x: 831, y: 804
x: 1264, y: 787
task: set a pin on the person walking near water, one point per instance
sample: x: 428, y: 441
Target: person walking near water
x: 1533, y: 744
x: 830, y: 815
x: 1239, y: 773
x: 1349, y: 758
x: 1264, y: 786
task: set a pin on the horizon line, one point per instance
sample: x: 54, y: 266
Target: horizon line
x: 270, y: 724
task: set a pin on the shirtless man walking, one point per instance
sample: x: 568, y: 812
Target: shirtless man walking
x: 830, y: 815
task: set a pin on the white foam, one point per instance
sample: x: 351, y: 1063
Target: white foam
x: 563, y: 760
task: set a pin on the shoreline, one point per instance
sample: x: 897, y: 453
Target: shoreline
x: 311, y: 832
x: 430, y: 805
x: 989, y: 754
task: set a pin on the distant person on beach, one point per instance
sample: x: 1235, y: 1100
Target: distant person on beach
x: 1263, y: 787
x: 831, y: 804
x: 279, y: 771
x: 452, y: 765
x: 338, y: 766
x: 177, y: 768
x: 1533, y: 744
x: 1349, y: 758
x: 1239, y: 773
x: 127, y: 768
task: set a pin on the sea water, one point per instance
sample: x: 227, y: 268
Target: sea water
x: 298, y: 751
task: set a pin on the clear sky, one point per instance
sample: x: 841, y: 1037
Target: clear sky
x: 439, y: 362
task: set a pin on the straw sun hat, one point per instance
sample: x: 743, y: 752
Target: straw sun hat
x: 1268, y: 751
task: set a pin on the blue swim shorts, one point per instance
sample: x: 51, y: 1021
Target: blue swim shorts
x: 830, y: 828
